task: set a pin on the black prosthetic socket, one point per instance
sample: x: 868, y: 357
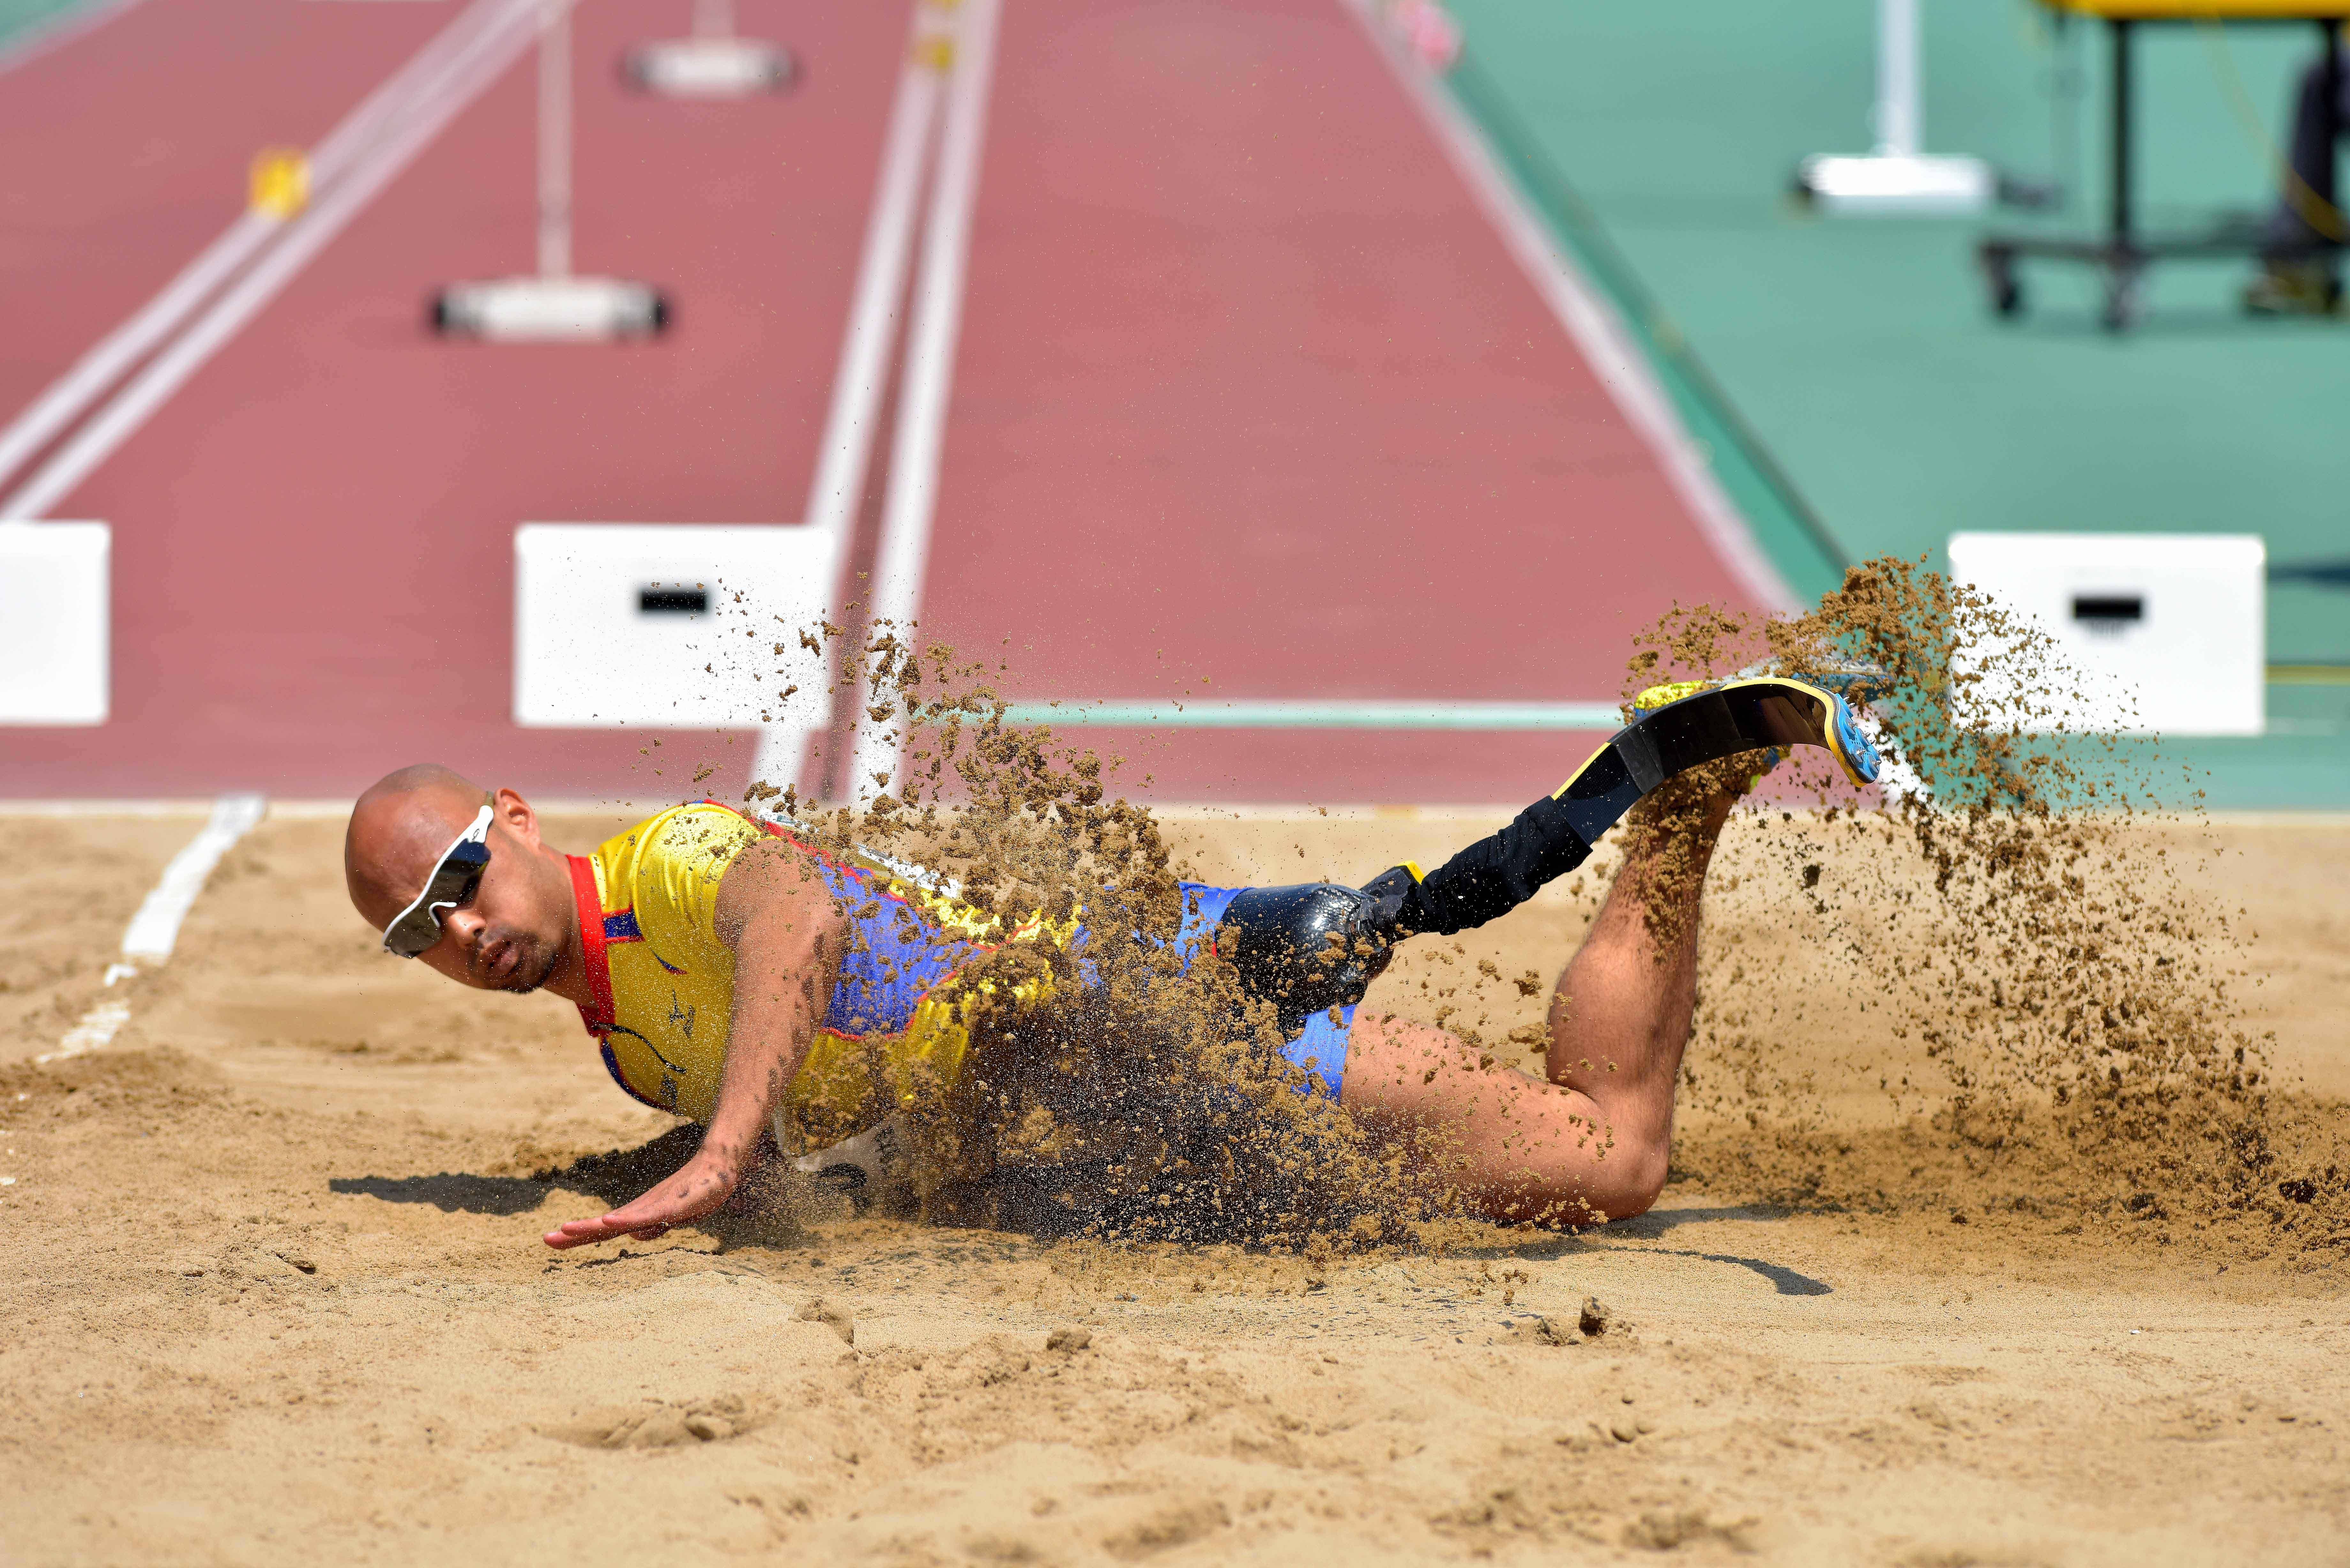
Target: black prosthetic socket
x: 1305, y: 948
x: 1486, y: 880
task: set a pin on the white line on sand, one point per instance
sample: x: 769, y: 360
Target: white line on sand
x: 904, y: 549
x: 863, y: 375
x: 1607, y: 347
x: 360, y: 158
x: 154, y: 930
x: 93, y: 1033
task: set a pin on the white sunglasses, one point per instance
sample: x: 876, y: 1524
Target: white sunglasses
x: 415, y: 929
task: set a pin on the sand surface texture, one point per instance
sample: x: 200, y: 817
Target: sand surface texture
x: 274, y: 1293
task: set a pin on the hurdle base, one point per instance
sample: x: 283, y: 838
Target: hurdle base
x: 1897, y: 185
x: 710, y: 67
x: 550, y: 310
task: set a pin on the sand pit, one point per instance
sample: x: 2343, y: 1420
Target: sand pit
x: 275, y: 1294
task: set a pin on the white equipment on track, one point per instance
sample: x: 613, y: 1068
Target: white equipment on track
x: 714, y: 62
x: 553, y: 306
x: 1899, y: 178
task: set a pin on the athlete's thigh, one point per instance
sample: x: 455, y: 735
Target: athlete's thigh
x: 1522, y: 1146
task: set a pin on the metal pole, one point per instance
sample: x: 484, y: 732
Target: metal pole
x: 555, y: 138
x: 1900, y: 89
x: 2322, y: 179
x: 2120, y: 27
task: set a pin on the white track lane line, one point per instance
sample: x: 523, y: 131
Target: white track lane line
x: 880, y: 292
x: 474, y: 68
x: 112, y: 356
x: 1607, y: 347
x: 911, y: 506
x: 65, y: 399
x: 154, y: 930
x: 863, y: 375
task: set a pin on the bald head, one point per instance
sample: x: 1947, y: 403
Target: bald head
x: 397, y: 832
x: 518, y: 927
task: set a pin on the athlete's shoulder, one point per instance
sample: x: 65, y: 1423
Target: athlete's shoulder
x: 699, y: 835
x: 672, y: 863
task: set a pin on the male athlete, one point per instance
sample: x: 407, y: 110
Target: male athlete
x: 736, y: 976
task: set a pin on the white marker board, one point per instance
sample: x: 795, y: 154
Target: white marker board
x: 56, y: 639
x: 616, y: 622
x: 2168, y: 631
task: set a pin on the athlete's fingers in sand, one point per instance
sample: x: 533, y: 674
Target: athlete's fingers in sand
x: 699, y: 1189
x: 629, y: 1221
x: 582, y: 1232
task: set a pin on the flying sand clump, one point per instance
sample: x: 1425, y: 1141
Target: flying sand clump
x: 2045, y: 993
x: 2027, y: 922
x: 1119, y: 1086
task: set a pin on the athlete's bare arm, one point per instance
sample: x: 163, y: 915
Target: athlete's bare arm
x: 786, y: 931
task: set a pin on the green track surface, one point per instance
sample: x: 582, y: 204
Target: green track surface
x: 17, y: 16
x: 1848, y: 373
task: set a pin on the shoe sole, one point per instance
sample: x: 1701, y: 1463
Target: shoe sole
x: 1827, y: 720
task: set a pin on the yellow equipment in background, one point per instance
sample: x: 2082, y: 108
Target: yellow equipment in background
x: 279, y: 183
x: 2124, y: 252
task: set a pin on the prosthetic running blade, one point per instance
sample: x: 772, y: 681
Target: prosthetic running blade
x: 1555, y: 835
x: 1319, y: 945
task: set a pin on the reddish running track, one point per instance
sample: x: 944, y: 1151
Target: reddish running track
x: 1251, y: 389
x: 1248, y: 389
x: 313, y: 540
x: 127, y: 151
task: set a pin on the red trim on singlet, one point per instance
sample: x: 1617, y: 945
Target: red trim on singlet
x: 604, y: 1016
x: 867, y: 877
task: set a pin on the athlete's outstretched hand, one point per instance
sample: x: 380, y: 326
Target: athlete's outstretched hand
x: 781, y: 921
x: 705, y: 1183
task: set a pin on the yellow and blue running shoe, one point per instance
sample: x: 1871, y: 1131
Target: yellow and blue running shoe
x: 1839, y: 687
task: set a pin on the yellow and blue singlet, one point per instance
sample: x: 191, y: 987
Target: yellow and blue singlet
x: 661, y: 982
